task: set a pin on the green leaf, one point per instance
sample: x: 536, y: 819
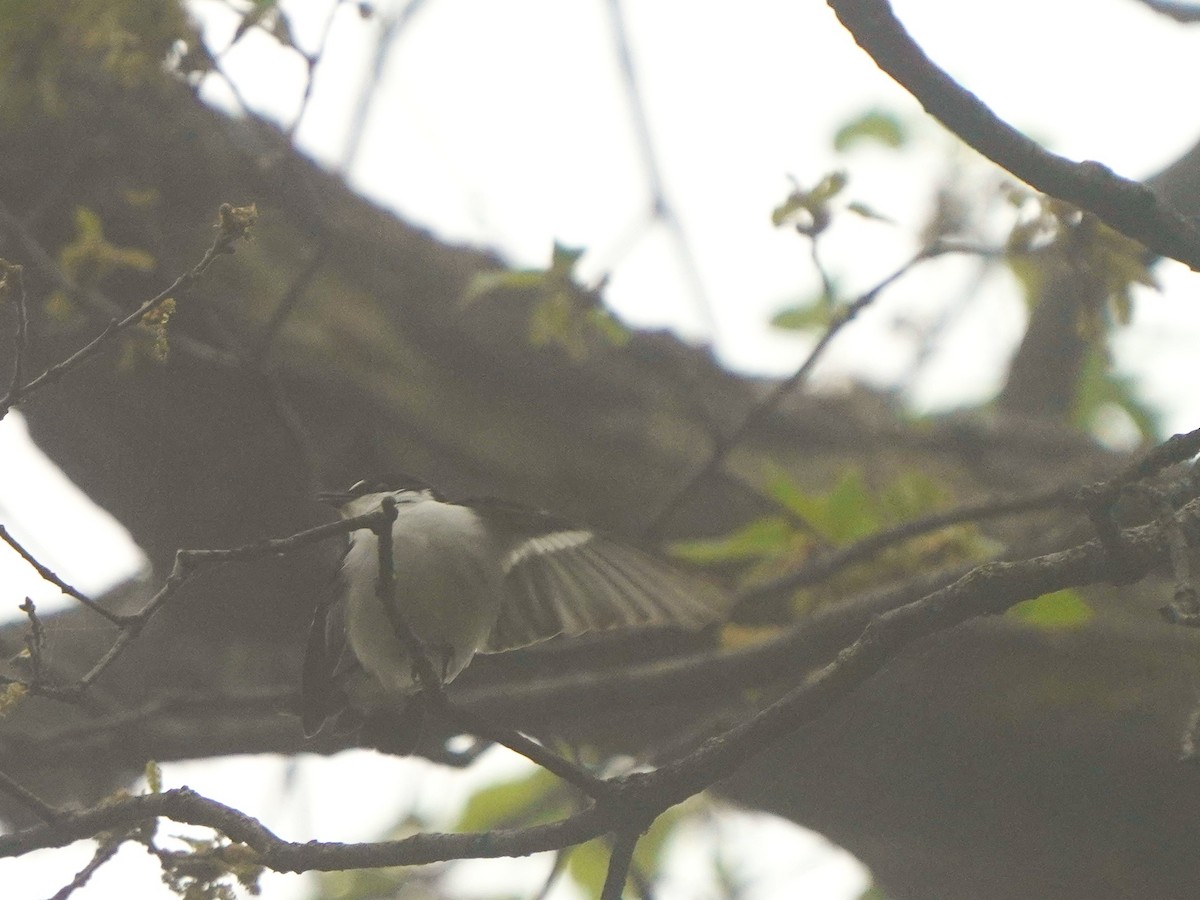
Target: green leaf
x: 840, y: 516
x: 564, y: 258
x: 828, y: 187
x: 851, y: 512
x: 1099, y: 386
x: 755, y: 540
x: 866, y: 212
x: 912, y: 494
x: 1053, y: 612
x: 588, y: 863
x: 608, y: 327
x: 588, y: 866
x: 528, y: 800
x: 788, y: 209
x: 808, y: 211
x: 485, y: 283
x: 875, y: 126
x: 816, y: 313
x: 154, y: 779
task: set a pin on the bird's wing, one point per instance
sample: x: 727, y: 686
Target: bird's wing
x: 328, y: 659
x: 560, y: 578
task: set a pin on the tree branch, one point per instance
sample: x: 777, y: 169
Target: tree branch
x: 1128, y: 206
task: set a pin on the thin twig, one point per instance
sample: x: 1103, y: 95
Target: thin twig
x: 106, y: 850
x: 555, y: 873
x: 385, y: 593
x: 831, y: 563
x: 45, y: 265
x: 187, y: 563
x: 48, y: 575
x: 232, y: 227
x: 391, y: 30
x: 12, y: 284
x: 29, y: 800
x: 35, y: 641
x: 311, y: 61
x: 594, y: 787
x: 660, y: 203
x: 762, y: 410
x: 431, y: 683
x: 618, y: 864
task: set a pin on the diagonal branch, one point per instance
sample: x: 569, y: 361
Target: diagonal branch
x: 1128, y: 206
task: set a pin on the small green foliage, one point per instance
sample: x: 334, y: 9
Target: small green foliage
x: 47, y: 49
x: 815, y: 312
x: 90, y: 257
x: 11, y: 696
x: 587, y: 864
x: 769, y: 536
x: 849, y: 512
x: 1058, y: 234
x: 1099, y: 387
x: 527, y: 800
x: 487, y: 283
x: 846, y: 513
x: 565, y: 313
x: 809, y: 211
x: 155, y: 322
x: 210, y: 869
x: 148, y: 342
x: 1060, y: 610
x: 153, y: 774
x: 875, y: 126
x: 234, y: 224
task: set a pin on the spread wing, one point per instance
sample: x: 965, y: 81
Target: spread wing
x: 560, y: 578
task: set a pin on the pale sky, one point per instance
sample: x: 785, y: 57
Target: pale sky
x: 503, y: 125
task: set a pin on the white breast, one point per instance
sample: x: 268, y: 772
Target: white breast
x: 448, y: 589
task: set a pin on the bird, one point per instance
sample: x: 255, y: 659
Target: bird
x: 470, y: 577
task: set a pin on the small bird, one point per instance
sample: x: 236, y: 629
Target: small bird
x: 481, y: 576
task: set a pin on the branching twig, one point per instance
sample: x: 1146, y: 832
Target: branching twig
x: 187, y: 563
x: 104, y: 852
x: 756, y: 416
x: 661, y: 207
x: 638, y: 798
x: 184, y: 805
x: 30, y: 800
x: 48, y: 575
x: 828, y: 564
x: 43, y: 263
x: 233, y: 225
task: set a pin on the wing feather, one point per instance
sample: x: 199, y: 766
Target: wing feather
x: 561, y: 579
